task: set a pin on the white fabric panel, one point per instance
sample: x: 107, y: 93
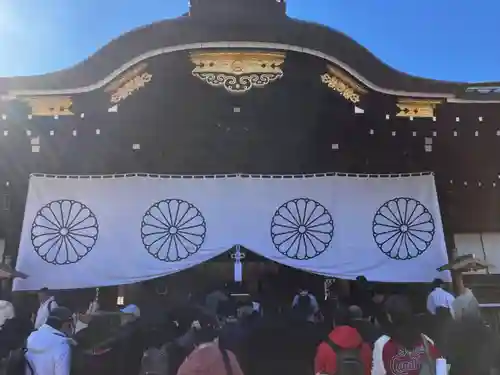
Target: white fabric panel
x: 352, y: 204
x: 118, y: 255
x: 86, y: 232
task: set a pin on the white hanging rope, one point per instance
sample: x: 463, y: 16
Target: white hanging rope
x: 233, y: 175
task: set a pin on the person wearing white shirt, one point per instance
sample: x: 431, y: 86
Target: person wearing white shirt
x: 82, y: 320
x: 49, y: 347
x: 47, y: 304
x: 439, y: 298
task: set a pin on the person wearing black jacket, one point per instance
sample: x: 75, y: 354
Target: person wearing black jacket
x: 365, y: 328
x: 15, y: 330
x: 469, y: 346
x: 104, y: 350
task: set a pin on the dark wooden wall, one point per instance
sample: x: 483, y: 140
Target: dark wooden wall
x: 185, y: 126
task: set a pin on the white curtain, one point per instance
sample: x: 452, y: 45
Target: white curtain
x: 108, y: 230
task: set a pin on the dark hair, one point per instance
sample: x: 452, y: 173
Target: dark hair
x: 24, y: 304
x: 436, y: 283
x: 58, y: 316
x: 208, y: 329
x: 443, y: 313
x: 341, y: 317
x: 227, y: 308
x: 54, y: 322
x: 402, y: 328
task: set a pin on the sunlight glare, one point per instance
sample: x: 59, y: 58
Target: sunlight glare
x: 7, y: 19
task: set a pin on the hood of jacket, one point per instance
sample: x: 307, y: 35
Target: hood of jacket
x: 206, y: 359
x: 45, y: 339
x: 346, y: 337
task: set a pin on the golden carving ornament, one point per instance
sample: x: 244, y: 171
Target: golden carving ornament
x: 345, y: 86
x: 126, y: 77
x: 49, y: 105
x: 238, y: 72
x: 416, y: 108
x: 134, y: 84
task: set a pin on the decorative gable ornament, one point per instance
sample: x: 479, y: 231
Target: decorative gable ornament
x: 130, y: 82
x: 483, y: 89
x: 414, y: 108
x: 49, y: 105
x: 344, y: 85
x: 238, y: 72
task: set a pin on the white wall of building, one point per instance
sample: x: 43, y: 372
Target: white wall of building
x: 485, y: 246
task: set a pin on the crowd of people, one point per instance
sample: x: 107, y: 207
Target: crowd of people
x: 223, y: 334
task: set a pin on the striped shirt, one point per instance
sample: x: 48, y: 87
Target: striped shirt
x: 439, y: 298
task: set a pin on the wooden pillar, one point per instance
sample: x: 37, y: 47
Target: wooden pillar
x: 10, y: 250
x: 446, y: 200
x: 108, y: 297
x: 132, y: 293
x: 6, y: 284
x: 456, y: 276
x: 344, y: 288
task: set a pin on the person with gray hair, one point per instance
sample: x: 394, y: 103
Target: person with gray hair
x: 365, y: 328
x: 355, y: 312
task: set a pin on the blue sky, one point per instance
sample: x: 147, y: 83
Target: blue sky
x: 442, y: 39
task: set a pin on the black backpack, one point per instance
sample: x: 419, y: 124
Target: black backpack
x: 227, y: 362
x: 304, y: 306
x: 49, y: 307
x: 348, y: 360
x: 16, y: 363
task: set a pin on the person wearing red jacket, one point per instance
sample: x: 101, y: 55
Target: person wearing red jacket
x: 341, y: 339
